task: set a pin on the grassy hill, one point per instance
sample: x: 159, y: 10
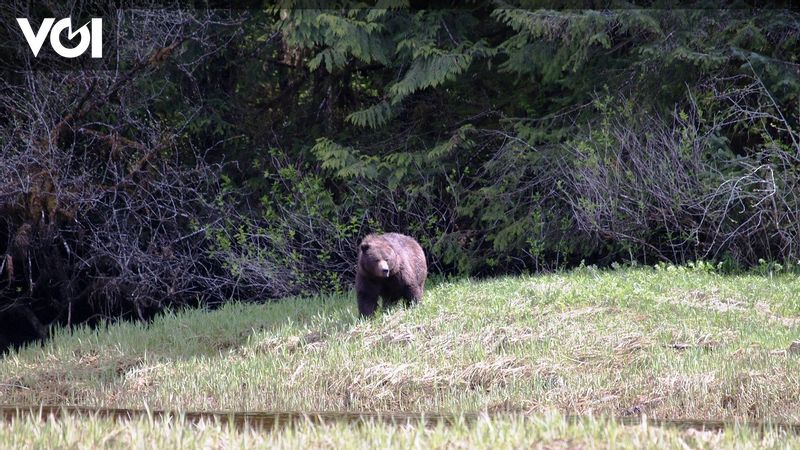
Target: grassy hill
x: 670, y: 343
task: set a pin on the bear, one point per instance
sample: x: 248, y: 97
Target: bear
x: 390, y: 266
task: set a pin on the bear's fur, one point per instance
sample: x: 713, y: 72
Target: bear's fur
x: 390, y: 266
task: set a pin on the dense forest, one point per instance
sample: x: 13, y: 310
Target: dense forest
x: 240, y: 154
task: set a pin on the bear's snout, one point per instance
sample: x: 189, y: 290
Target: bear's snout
x: 384, y: 266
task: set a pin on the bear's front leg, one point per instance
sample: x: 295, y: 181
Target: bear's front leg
x: 367, y: 302
x: 413, y: 295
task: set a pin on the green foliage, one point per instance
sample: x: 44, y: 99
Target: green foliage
x: 475, y: 129
x: 373, y: 117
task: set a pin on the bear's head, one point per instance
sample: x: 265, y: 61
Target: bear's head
x: 377, y: 258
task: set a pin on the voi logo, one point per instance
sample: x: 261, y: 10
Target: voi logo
x: 93, y: 37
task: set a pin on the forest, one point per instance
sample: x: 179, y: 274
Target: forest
x: 241, y: 153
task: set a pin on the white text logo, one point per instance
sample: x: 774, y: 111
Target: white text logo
x: 87, y: 37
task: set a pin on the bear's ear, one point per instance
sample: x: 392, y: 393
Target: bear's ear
x: 364, y: 247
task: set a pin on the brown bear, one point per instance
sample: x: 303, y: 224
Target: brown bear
x: 391, y: 266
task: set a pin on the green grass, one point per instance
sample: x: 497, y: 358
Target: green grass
x: 671, y: 343
x: 549, y: 430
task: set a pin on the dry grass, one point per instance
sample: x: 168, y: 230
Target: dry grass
x: 671, y: 344
x: 547, y: 431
